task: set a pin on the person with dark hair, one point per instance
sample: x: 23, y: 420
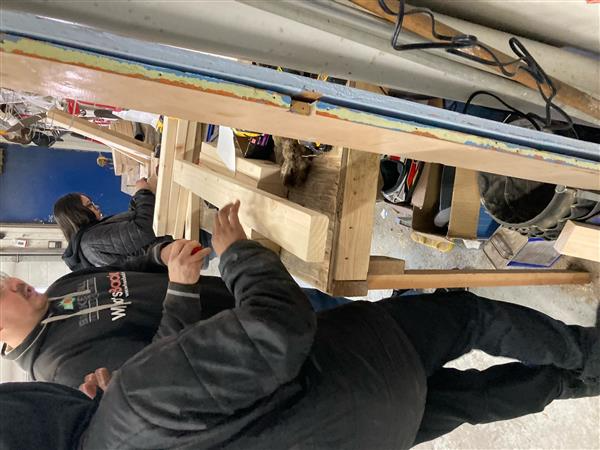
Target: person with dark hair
x: 270, y: 373
x: 96, y: 241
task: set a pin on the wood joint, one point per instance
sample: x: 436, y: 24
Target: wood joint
x: 303, y: 108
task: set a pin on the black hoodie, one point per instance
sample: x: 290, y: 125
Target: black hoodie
x: 114, y: 239
x: 264, y: 375
x: 101, y: 317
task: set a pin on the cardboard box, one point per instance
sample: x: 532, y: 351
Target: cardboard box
x: 467, y: 220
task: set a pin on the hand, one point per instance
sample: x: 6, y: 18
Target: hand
x: 184, y: 268
x: 152, y: 183
x: 227, y: 228
x: 142, y: 183
x: 97, y: 379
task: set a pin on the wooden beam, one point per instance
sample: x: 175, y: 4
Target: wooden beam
x: 579, y: 240
x: 295, y: 228
x: 165, y: 173
x: 187, y: 222
x: 383, y: 270
x: 423, y: 279
x: 355, y: 230
x: 117, y: 158
x: 177, y: 203
x: 36, y: 66
x: 192, y: 217
x: 265, y: 175
x: 421, y: 25
x: 131, y: 147
x: 320, y: 191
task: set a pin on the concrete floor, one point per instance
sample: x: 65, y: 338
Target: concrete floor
x: 565, y: 424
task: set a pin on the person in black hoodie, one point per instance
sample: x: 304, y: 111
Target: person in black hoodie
x: 103, y: 316
x: 269, y: 373
x: 95, y: 241
x: 97, y: 316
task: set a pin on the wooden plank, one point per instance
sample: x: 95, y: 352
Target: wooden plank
x: 187, y: 219
x: 320, y: 192
x: 579, y: 240
x: 133, y: 148
x: 130, y: 175
x: 207, y: 218
x: 165, y: 172
x: 265, y: 173
x: 348, y: 288
x: 192, y: 217
x: 177, y: 202
x: 423, y: 279
x: 421, y: 25
x: 355, y: 231
x: 35, y: 66
x: 383, y: 269
x: 179, y: 212
x: 117, y: 161
x: 295, y: 228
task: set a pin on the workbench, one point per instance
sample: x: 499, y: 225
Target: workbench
x: 324, y: 228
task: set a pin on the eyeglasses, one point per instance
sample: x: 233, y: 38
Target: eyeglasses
x: 90, y: 204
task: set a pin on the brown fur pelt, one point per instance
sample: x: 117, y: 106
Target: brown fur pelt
x: 291, y: 155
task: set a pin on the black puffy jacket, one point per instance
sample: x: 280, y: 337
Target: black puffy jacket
x: 267, y: 374
x: 114, y: 239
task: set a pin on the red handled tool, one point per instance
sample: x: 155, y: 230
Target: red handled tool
x: 196, y: 250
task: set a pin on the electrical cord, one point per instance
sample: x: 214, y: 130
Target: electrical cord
x: 529, y: 116
x: 524, y: 62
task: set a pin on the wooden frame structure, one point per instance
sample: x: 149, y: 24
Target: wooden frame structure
x: 331, y: 242
x: 36, y: 65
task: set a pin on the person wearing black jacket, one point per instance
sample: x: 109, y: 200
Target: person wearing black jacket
x: 95, y: 241
x: 269, y: 373
x: 102, y: 316
x: 97, y: 316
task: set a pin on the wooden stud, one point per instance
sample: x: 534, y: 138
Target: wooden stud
x: 264, y: 175
x: 131, y: 147
x: 580, y: 240
x: 355, y: 230
x: 349, y: 288
x: 192, y: 217
x: 165, y: 173
x: 177, y: 205
x: 117, y: 158
x: 422, y: 279
x: 298, y: 229
x: 321, y: 191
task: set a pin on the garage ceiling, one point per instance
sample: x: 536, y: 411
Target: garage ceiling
x: 573, y: 23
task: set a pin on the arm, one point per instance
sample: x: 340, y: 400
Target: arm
x: 230, y: 361
x: 137, y: 232
x: 150, y: 260
x: 181, y: 308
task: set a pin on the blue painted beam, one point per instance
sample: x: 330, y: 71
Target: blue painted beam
x: 88, y: 39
